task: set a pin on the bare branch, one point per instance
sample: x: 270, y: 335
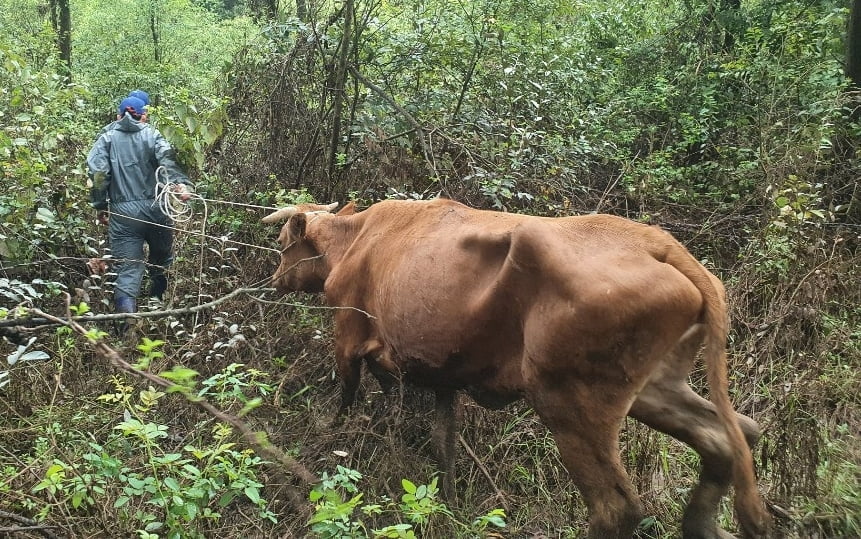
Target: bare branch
x: 499, y: 494
x: 29, y: 525
x: 34, y: 321
x: 407, y: 116
x: 257, y: 439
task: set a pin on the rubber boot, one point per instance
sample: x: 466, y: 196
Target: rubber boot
x: 158, y: 284
x: 124, y: 304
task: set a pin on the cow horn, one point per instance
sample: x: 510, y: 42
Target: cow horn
x: 279, y: 215
x: 332, y: 206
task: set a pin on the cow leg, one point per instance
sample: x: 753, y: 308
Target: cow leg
x: 349, y: 370
x: 384, y: 377
x: 589, y: 447
x: 349, y: 355
x: 443, y: 437
x: 668, y: 404
x: 672, y: 407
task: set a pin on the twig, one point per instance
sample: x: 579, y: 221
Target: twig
x: 257, y: 439
x: 29, y: 525
x: 499, y: 494
x: 34, y: 321
x: 406, y: 115
x: 30, y: 321
x: 610, y: 187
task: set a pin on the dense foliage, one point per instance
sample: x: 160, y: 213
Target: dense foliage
x: 730, y: 124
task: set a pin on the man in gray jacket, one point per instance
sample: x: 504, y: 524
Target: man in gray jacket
x: 122, y: 165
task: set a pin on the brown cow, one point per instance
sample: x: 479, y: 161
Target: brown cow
x: 588, y: 318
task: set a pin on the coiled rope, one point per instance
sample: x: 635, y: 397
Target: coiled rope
x: 174, y: 201
x: 170, y: 199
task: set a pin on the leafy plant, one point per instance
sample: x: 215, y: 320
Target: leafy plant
x: 337, y: 497
x: 191, y: 125
x: 155, y: 488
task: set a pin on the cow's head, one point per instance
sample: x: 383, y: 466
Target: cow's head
x: 302, y: 266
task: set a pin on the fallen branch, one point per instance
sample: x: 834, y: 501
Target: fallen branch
x: 29, y: 525
x: 41, y: 321
x: 499, y: 494
x: 257, y: 439
x: 30, y: 321
x: 402, y: 111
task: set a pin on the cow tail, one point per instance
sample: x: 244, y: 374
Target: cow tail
x: 748, y: 504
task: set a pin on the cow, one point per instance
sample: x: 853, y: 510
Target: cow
x: 589, y: 318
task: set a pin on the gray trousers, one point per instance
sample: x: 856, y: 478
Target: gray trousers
x: 127, y: 238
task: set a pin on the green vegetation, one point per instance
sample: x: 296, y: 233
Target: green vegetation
x: 731, y: 124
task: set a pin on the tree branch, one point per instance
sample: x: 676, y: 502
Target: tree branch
x: 499, y: 494
x: 407, y: 116
x: 29, y: 321
x: 28, y: 525
x: 257, y: 439
x: 13, y: 325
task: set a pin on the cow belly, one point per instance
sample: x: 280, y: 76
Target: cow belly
x: 492, y: 398
x: 492, y: 380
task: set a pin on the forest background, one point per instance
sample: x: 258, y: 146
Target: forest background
x: 732, y: 124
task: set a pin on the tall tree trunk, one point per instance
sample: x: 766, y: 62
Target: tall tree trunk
x: 853, y: 47
x: 263, y: 10
x: 61, y: 22
x: 339, y: 94
x: 734, y: 7
x: 302, y: 10
x: 153, y: 28
x: 853, y: 72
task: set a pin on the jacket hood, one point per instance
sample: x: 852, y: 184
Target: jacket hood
x: 127, y: 123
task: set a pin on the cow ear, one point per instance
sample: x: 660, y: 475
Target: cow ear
x: 349, y: 209
x: 296, y: 226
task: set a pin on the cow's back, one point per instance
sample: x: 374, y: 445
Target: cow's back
x: 464, y: 292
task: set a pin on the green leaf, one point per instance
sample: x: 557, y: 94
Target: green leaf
x: 226, y: 498
x: 191, y: 470
x: 171, y: 483
x: 253, y: 494
x: 136, y: 483
x: 179, y: 374
x: 44, y: 214
x: 409, y: 486
x: 250, y: 405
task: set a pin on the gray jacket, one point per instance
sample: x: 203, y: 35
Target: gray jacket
x: 123, y: 161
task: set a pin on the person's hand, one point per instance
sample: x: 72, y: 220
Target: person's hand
x: 102, y: 217
x: 97, y: 266
x: 182, y: 191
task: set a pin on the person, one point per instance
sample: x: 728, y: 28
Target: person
x: 122, y: 167
x: 140, y: 94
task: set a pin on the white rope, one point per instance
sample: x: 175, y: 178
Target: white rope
x: 222, y: 239
x: 174, y: 202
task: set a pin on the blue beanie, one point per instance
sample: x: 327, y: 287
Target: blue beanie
x: 133, y: 105
x: 140, y: 94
